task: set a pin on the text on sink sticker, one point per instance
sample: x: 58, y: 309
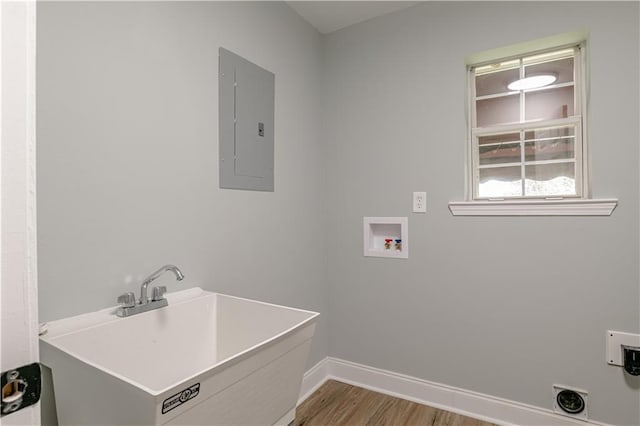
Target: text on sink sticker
x: 180, y: 398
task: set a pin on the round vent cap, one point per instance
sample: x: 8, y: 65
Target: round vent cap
x: 570, y: 401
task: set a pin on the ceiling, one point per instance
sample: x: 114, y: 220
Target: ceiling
x: 330, y: 16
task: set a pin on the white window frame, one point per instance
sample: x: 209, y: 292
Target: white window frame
x: 576, y: 121
x: 578, y: 204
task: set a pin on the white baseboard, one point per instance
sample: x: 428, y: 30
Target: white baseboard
x: 313, y: 379
x: 473, y: 404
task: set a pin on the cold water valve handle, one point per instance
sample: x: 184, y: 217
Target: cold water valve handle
x: 158, y: 293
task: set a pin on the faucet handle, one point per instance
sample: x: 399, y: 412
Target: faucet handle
x: 127, y: 300
x: 158, y: 293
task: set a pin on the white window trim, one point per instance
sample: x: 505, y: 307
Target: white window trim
x: 568, y: 207
x: 584, y: 206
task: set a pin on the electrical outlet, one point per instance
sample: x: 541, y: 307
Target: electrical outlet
x: 419, y: 202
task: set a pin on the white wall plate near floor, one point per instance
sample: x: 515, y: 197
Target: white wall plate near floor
x: 615, y: 340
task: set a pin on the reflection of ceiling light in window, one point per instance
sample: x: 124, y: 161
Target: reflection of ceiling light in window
x: 532, y: 82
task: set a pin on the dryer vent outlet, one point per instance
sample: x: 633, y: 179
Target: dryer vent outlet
x: 570, y: 402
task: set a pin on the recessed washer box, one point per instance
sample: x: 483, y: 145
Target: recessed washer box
x: 381, y: 235
x: 246, y: 124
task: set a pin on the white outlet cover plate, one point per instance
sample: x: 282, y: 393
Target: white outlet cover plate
x: 417, y: 208
x: 615, y: 340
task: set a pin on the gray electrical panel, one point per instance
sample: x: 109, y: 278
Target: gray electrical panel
x: 246, y: 118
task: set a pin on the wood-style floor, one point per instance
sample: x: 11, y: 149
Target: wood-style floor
x: 339, y: 404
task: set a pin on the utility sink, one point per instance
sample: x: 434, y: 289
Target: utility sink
x: 206, y: 358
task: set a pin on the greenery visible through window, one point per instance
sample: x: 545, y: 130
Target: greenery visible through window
x: 527, y: 142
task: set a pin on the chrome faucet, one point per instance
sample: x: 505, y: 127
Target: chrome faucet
x: 144, y: 297
x: 129, y: 306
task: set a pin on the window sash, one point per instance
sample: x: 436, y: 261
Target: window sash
x: 574, y: 122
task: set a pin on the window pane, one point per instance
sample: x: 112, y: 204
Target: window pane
x: 550, y: 179
x: 493, y: 139
x: 562, y: 69
x: 498, y: 182
x: 502, y: 110
x: 555, y: 149
x: 496, y: 149
x: 500, y: 154
x: 549, y: 133
x: 495, y: 82
x: 547, y: 104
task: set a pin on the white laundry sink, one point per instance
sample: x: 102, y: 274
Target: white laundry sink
x: 207, y: 358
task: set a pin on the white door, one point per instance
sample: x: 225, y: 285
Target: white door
x: 18, y: 295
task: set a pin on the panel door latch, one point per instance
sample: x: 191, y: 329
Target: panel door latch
x: 21, y: 388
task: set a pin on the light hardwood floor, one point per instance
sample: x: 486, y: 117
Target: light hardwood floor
x: 339, y: 404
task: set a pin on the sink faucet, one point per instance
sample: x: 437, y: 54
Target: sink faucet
x: 144, y: 297
x: 129, y: 306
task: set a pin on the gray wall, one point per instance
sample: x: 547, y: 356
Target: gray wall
x: 128, y: 156
x: 502, y: 306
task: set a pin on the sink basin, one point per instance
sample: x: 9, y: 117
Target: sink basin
x: 207, y: 358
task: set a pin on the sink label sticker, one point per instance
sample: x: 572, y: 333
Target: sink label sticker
x: 180, y: 398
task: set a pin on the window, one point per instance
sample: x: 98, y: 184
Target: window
x: 527, y: 127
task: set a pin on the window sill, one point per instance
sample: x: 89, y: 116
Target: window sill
x: 572, y: 207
